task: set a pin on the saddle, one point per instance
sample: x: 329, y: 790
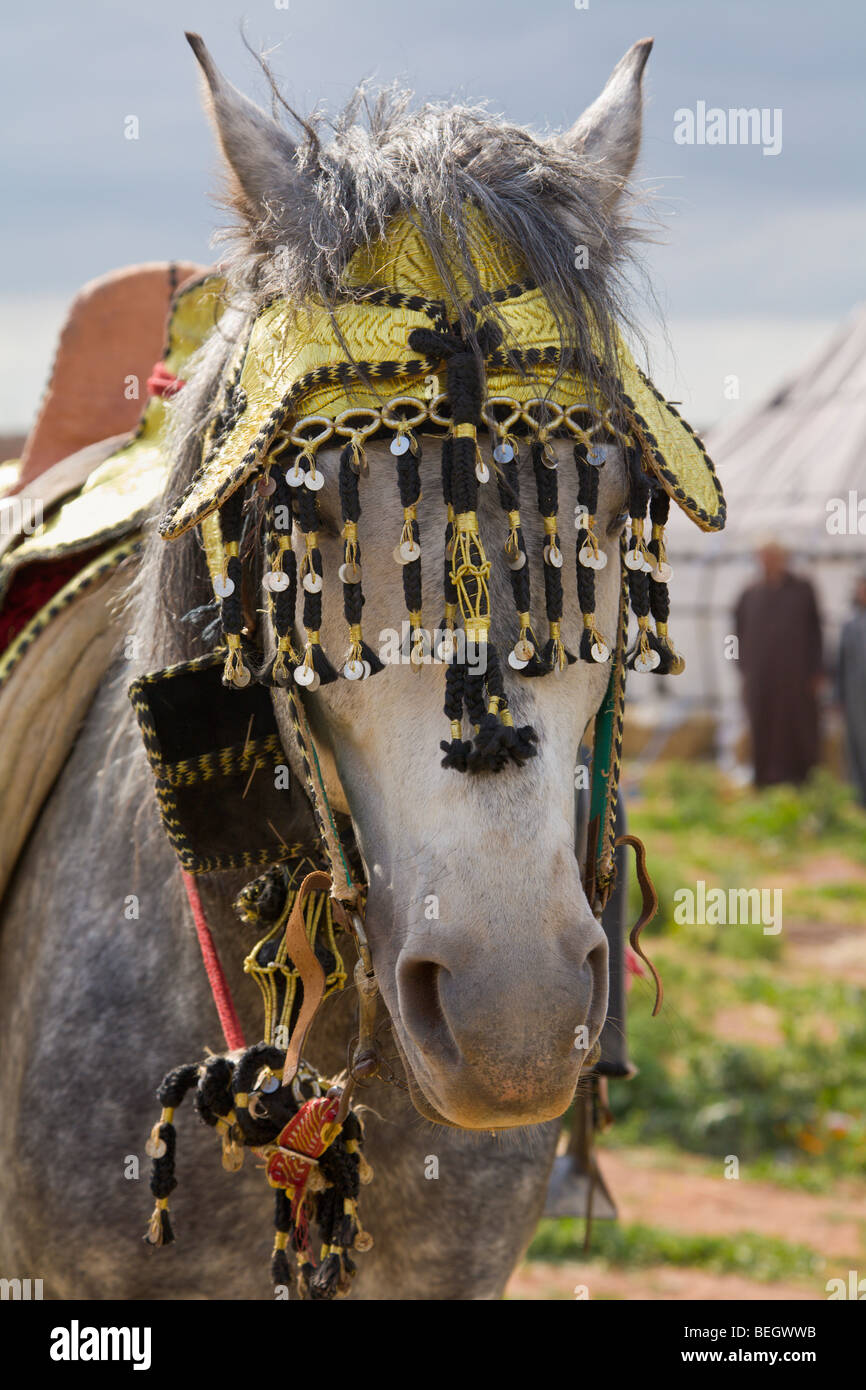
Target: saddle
x: 72, y: 510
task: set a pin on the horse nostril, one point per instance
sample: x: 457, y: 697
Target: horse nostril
x: 597, y: 963
x: 596, y: 959
x: 419, y: 985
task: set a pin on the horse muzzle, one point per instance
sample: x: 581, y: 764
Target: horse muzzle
x: 495, y: 1038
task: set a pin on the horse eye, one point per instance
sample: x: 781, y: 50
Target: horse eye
x: 617, y: 523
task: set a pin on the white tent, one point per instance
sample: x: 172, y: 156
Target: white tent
x: 793, y: 468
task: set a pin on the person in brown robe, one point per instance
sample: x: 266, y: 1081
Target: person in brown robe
x: 851, y: 688
x: 779, y: 646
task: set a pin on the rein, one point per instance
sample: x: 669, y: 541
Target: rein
x: 216, y: 978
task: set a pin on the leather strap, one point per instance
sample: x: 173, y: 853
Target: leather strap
x: 649, y: 907
x: 306, y: 962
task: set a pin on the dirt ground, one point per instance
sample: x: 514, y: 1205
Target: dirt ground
x: 678, y: 1194
x: 684, y: 1198
x: 546, y: 1282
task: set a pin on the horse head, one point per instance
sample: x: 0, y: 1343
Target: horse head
x: 418, y: 284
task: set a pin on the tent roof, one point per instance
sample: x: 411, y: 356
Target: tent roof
x: 783, y: 462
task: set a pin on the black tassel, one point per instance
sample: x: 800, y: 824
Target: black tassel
x: 324, y: 1281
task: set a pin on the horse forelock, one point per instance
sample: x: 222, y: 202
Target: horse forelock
x: 382, y: 158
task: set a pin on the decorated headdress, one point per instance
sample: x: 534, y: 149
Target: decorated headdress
x: 308, y: 376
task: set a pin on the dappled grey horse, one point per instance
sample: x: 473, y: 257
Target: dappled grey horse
x: 485, y: 999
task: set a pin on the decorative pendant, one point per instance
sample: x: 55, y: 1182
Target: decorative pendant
x: 313, y: 582
x: 399, y: 444
x: 295, y: 475
x: 648, y: 662
x: 307, y: 677
x: 517, y: 561
x: 662, y: 573
x: 314, y: 480
x: 600, y: 652
x: 634, y: 560
x: 350, y: 573
x: 275, y: 581
x: 266, y: 487
x: 553, y: 556
x: 503, y: 453
x: 524, y: 649
x: 223, y: 587
x: 409, y: 551
x: 445, y: 648
x: 522, y: 654
x: 354, y: 670
x: 592, y: 561
x: 482, y: 472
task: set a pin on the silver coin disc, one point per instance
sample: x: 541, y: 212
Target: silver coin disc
x: 553, y: 556
x: 445, y: 649
x: 590, y: 560
x: 649, y: 663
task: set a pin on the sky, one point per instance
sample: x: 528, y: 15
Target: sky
x: 757, y: 255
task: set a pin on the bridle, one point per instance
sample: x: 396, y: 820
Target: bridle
x: 284, y: 396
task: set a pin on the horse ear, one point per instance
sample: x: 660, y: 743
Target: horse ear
x: 259, y: 153
x: 608, y: 133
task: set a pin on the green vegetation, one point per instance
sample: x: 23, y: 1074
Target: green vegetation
x: 637, y: 1246
x: 750, y: 1056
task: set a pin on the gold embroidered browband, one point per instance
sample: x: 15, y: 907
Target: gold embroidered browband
x: 390, y: 357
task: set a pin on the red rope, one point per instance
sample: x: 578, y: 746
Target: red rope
x: 219, y: 988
